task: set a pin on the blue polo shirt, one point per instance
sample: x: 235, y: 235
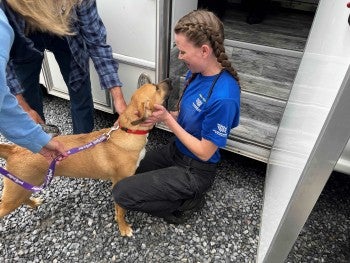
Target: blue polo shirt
x: 209, y: 118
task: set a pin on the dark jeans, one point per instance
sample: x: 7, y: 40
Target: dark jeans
x: 28, y: 72
x: 163, y: 181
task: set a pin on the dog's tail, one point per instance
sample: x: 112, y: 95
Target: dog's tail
x: 6, y: 150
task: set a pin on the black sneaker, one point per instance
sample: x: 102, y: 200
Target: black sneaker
x: 176, y: 218
x: 192, y: 205
x: 51, y: 129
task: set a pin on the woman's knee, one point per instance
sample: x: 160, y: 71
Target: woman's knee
x: 123, y: 195
x: 119, y: 192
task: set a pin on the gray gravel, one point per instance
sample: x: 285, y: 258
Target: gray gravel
x: 75, y: 223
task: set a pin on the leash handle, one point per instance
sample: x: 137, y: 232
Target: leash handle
x: 51, y: 171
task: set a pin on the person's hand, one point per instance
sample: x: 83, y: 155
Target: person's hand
x: 35, y: 116
x: 160, y: 114
x: 175, y: 114
x: 25, y: 106
x: 52, y: 150
x: 118, y: 99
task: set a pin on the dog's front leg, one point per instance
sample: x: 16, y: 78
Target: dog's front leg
x: 124, y: 228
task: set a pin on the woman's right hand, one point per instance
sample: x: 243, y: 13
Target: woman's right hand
x: 174, y: 114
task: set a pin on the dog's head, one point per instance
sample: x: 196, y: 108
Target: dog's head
x: 144, y: 98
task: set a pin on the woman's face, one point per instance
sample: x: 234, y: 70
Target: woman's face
x: 192, y: 56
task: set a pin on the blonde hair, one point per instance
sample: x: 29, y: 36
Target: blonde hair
x: 202, y: 27
x: 53, y: 16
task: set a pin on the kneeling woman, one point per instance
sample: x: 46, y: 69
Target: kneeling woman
x: 174, y: 179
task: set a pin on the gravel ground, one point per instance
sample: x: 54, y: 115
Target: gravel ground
x: 75, y: 223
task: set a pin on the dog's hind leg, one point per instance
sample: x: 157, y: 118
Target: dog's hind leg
x: 124, y: 228
x: 13, y: 196
x: 7, y: 207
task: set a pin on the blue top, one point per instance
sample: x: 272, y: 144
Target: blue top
x: 88, y: 42
x: 210, y: 119
x: 15, y: 124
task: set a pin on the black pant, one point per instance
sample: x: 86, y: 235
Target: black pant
x: 28, y: 72
x: 163, y: 181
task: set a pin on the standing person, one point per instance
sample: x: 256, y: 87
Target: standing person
x: 174, y: 179
x: 87, y: 39
x: 15, y: 124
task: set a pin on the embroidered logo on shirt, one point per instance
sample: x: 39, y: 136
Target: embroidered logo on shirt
x: 198, y: 103
x: 221, y: 130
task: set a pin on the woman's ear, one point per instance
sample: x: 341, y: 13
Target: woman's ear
x: 206, y: 50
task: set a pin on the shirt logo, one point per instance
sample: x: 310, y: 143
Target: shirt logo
x: 198, y: 103
x: 221, y: 130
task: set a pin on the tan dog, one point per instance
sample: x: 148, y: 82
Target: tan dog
x: 113, y: 159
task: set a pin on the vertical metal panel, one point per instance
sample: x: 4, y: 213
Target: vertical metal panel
x: 313, y: 132
x: 163, y: 39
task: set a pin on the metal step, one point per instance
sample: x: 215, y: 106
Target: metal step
x: 264, y: 70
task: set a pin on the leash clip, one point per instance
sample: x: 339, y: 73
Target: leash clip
x: 108, y: 134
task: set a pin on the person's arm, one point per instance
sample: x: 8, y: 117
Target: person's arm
x: 94, y: 33
x: 18, y: 127
x: 17, y: 90
x: 15, y: 124
x: 175, y: 114
x: 118, y: 99
x: 203, y: 148
x: 25, y: 106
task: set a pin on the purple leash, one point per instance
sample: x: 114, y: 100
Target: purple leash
x: 51, y: 171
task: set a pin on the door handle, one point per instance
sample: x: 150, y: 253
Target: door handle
x: 348, y: 5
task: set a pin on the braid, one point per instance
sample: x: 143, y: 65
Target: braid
x: 201, y: 27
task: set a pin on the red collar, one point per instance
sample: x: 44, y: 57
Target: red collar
x: 134, y: 131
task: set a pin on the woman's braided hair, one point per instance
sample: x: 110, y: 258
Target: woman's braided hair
x: 203, y: 27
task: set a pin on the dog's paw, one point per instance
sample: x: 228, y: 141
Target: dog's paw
x: 125, y: 231
x: 34, y: 202
x: 124, y: 228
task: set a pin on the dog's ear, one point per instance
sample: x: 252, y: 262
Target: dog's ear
x: 143, y: 79
x: 145, y: 110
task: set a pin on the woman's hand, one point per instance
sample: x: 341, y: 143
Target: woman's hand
x: 175, y: 114
x: 160, y: 114
x: 52, y: 150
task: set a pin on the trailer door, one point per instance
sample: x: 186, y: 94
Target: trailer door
x: 312, y: 134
